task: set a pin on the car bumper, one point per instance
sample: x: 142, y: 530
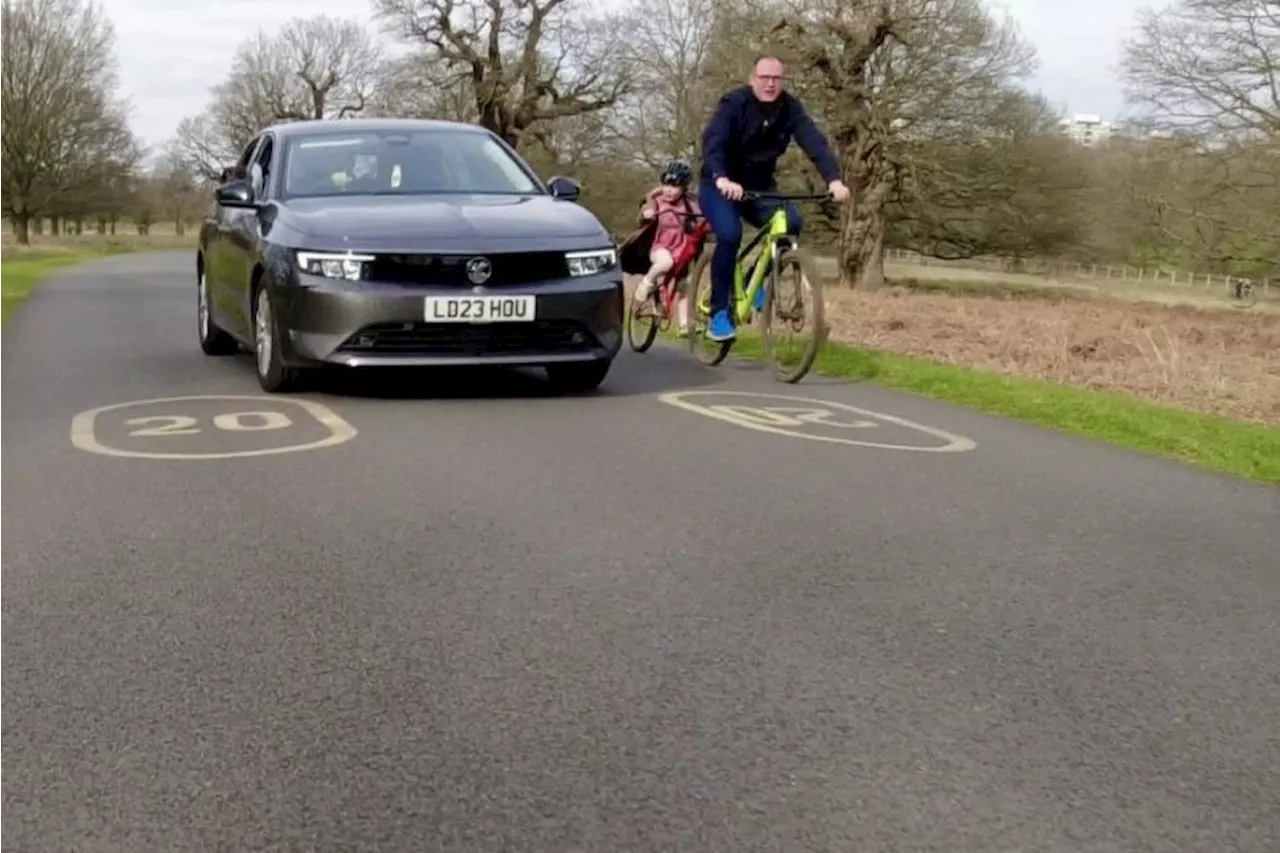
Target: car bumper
x: 368, y: 324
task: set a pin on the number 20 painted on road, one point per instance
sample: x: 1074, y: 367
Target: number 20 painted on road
x: 229, y: 421
x: 268, y: 425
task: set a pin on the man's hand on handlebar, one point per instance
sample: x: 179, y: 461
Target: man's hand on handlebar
x: 729, y: 189
x: 839, y: 192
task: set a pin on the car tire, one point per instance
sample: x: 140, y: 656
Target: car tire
x: 577, y: 377
x: 213, y: 340
x: 273, y: 375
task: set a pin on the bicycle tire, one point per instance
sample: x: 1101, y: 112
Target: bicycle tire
x: 697, y: 322
x: 649, y: 336
x: 808, y: 269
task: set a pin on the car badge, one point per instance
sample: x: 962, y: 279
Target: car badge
x: 479, y: 270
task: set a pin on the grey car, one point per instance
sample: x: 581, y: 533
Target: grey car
x: 406, y: 243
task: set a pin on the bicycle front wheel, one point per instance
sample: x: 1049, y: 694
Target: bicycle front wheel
x: 793, y: 306
x: 704, y: 349
x: 641, y: 330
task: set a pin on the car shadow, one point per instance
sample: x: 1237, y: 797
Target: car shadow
x: 663, y: 368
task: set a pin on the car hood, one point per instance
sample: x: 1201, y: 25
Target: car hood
x: 440, y: 223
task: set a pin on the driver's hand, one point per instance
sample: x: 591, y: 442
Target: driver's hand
x: 340, y: 179
x: 839, y: 192
x: 729, y: 189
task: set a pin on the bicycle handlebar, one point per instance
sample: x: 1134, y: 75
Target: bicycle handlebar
x: 683, y: 215
x: 762, y: 195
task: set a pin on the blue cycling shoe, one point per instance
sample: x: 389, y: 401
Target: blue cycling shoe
x: 720, y: 329
x: 758, y: 304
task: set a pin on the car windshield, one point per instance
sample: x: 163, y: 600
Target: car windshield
x: 400, y: 162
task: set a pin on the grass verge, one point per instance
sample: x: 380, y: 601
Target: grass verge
x: 23, y: 267
x: 18, y: 277
x: 1219, y: 444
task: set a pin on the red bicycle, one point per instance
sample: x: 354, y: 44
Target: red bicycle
x: 657, y: 309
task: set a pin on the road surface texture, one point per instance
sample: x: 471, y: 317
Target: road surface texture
x: 497, y: 619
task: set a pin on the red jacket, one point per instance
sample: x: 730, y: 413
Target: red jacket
x: 672, y: 226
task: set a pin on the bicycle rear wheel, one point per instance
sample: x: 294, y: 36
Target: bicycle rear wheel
x: 792, y: 303
x: 704, y: 349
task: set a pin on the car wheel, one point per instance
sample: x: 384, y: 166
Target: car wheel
x: 273, y: 376
x: 579, y: 377
x: 213, y: 340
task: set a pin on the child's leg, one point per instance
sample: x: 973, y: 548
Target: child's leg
x: 682, y: 308
x: 660, y: 261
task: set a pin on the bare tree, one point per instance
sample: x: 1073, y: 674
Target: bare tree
x: 178, y: 188
x: 885, y: 72
x: 524, y: 61
x: 313, y: 68
x: 1208, y: 73
x: 671, y: 45
x: 1210, y: 67
x: 1005, y: 182
x: 419, y: 86
x: 58, y: 108
x: 206, y: 145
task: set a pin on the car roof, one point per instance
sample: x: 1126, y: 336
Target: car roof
x: 356, y: 125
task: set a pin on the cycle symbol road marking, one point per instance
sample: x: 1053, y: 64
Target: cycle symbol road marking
x: 790, y: 419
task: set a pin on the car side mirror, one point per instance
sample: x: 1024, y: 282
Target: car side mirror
x: 565, y: 188
x: 237, y: 193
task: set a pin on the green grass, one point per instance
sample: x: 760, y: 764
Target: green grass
x: 1218, y: 444
x: 24, y: 267
x: 20, y: 276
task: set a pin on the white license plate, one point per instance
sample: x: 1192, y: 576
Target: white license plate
x: 480, y: 309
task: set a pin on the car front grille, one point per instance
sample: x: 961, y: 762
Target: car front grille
x: 513, y: 268
x: 542, y: 337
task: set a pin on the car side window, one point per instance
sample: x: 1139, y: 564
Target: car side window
x: 260, y: 171
x: 241, y: 169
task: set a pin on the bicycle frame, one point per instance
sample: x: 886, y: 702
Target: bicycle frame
x: 772, y: 234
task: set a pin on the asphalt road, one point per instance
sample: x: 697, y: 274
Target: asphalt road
x: 494, y: 619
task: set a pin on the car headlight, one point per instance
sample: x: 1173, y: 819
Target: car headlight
x: 592, y: 262
x: 345, y: 265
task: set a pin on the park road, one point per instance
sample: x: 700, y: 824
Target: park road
x: 468, y: 615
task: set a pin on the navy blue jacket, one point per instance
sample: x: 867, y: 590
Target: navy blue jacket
x: 745, y: 138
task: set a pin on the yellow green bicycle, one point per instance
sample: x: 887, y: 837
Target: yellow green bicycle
x: 787, y: 306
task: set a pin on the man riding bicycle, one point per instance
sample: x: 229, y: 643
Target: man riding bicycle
x: 751, y: 129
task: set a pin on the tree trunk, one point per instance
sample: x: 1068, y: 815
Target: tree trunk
x: 22, y: 228
x: 862, y: 222
x: 862, y: 246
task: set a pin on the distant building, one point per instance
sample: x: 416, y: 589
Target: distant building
x: 1087, y: 128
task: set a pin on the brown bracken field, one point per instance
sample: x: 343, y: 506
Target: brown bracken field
x: 1224, y: 362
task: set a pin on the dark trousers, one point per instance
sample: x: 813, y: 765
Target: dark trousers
x: 726, y: 219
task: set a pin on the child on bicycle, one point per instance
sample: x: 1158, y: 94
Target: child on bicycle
x: 667, y: 204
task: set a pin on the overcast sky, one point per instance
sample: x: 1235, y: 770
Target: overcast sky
x: 172, y: 51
